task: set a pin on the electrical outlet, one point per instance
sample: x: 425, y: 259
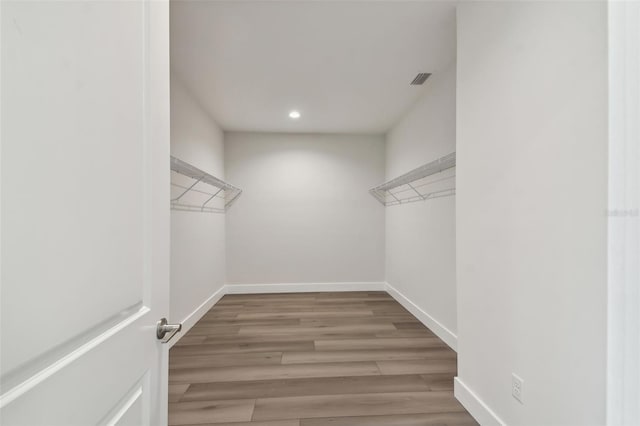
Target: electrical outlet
x: 516, y: 387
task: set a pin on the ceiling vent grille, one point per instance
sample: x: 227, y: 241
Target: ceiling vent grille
x: 420, y: 78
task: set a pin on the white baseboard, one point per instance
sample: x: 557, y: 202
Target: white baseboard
x: 474, y: 405
x: 303, y: 287
x: 431, y: 323
x: 198, y: 313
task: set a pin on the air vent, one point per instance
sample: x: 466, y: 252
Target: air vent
x: 420, y: 78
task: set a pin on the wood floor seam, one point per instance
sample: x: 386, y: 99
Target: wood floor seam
x: 253, y: 410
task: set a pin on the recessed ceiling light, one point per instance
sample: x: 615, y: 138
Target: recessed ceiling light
x: 294, y: 114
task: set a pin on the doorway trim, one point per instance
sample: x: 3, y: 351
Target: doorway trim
x: 623, y: 360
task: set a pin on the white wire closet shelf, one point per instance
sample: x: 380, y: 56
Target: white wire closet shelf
x: 198, y: 191
x: 432, y: 180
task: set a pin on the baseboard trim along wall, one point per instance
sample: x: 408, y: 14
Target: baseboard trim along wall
x: 431, y: 323
x: 195, y: 316
x: 474, y: 405
x: 303, y: 287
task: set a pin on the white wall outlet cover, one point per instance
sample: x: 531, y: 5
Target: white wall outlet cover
x: 516, y: 387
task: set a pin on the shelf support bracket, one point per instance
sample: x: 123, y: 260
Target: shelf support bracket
x: 416, y: 191
x: 211, y: 198
x: 187, y: 190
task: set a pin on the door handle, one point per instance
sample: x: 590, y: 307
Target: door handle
x: 163, y: 328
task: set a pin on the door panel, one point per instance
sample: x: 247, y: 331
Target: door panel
x: 85, y: 178
x: 76, y: 112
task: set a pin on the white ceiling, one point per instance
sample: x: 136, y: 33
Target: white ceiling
x: 345, y: 65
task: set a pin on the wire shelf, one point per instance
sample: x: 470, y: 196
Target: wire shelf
x: 198, y: 191
x: 432, y: 180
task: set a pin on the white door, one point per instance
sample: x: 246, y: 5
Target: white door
x: 84, y: 211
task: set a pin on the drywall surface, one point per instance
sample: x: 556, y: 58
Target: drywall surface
x: 197, y: 239
x: 420, y: 236
x: 531, y: 200
x: 305, y: 215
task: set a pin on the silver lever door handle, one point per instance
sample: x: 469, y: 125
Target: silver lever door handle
x: 163, y: 328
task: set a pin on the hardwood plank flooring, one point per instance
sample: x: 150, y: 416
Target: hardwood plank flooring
x: 312, y: 386
x: 181, y: 413
x: 379, y: 343
x: 312, y: 359
x: 354, y: 405
x: 367, y: 355
x: 267, y: 372
x: 437, y: 419
x: 226, y: 360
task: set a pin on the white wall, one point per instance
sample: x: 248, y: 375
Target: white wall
x: 420, y: 237
x: 531, y: 200
x: 197, y: 239
x: 305, y: 215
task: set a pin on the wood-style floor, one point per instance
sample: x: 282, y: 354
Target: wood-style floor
x: 312, y: 359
